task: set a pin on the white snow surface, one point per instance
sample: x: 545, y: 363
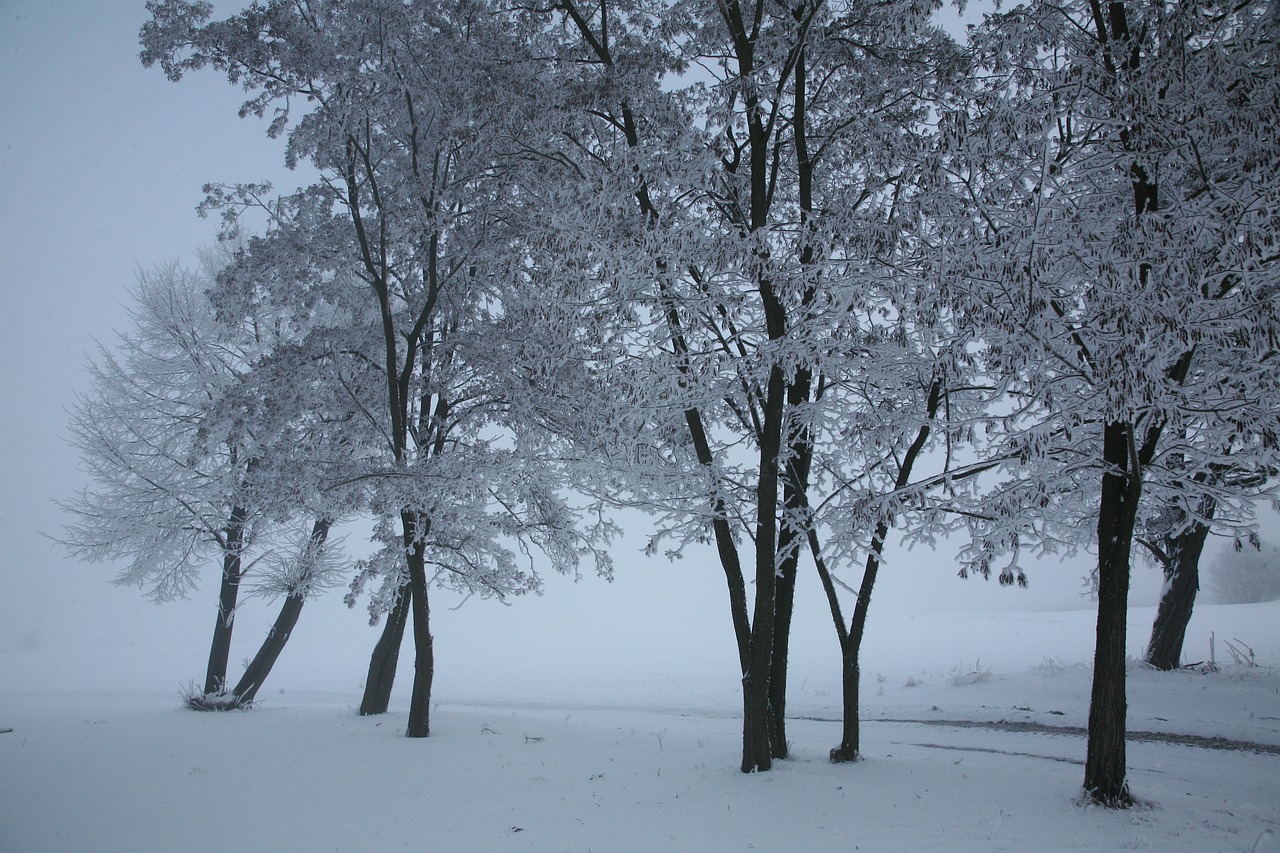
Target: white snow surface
x: 639, y: 760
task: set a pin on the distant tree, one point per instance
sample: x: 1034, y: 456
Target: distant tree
x: 1247, y: 574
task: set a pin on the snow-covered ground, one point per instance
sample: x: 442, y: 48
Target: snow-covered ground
x: 646, y: 759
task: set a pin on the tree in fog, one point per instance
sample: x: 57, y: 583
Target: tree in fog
x: 1112, y: 220
x: 407, y: 107
x: 182, y: 470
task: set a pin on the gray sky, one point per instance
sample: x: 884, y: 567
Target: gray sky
x: 103, y: 163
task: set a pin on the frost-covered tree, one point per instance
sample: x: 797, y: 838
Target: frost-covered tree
x: 732, y: 206
x: 182, y: 470
x: 409, y: 107
x: 1112, y: 222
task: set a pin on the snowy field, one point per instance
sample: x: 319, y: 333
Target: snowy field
x: 635, y: 759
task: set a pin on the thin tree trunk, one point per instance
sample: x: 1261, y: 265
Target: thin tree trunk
x: 386, y: 653
x: 1181, y: 583
x: 278, y: 636
x: 424, y: 655
x: 1105, y: 775
x: 215, y: 678
x: 851, y: 638
x: 790, y: 541
x: 800, y: 444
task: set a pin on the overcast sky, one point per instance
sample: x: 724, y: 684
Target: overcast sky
x: 103, y: 161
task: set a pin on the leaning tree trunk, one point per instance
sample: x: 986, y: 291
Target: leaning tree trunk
x: 215, y: 678
x: 258, y: 669
x: 1181, y: 583
x: 424, y: 655
x: 1105, y: 774
x: 386, y: 653
x: 278, y: 636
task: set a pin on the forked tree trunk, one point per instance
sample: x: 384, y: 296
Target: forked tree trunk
x: 278, y: 636
x: 1178, y: 598
x: 386, y: 653
x: 215, y: 678
x: 1105, y: 773
x: 850, y: 650
x: 851, y: 637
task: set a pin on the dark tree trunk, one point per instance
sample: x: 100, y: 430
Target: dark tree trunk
x: 784, y: 607
x: 260, y: 667
x: 790, y: 541
x: 757, y: 747
x: 800, y: 392
x: 278, y: 636
x: 424, y: 655
x: 215, y: 678
x: 1105, y: 774
x: 1181, y: 583
x: 850, y: 748
x: 386, y: 653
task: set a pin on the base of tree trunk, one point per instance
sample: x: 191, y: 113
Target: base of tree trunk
x: 227, y: 701
x: 1120, y: 799
x: 844, y: 754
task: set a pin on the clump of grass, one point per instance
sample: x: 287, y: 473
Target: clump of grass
x: 1057, y: 666
x: 198, y: 700
x: 962, y: 675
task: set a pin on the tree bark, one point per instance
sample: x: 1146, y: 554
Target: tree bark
x: 1181, y: 583
x: 850, y: 748
x: 386, y: 653
x: 424, y: 655
x: 215, y: 678
x: 1105, y: 774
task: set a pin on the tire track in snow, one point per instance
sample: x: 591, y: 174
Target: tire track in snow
x: 1201, y: 741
